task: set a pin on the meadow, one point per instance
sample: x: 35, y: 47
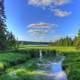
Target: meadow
x: 57, y: 48
x: 21, y: 64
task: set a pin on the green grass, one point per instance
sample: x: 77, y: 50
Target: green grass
x: 60, y: 49
x: 27, y: 69
x: 11, y: 58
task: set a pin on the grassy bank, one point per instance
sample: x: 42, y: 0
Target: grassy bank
x: 23, y: 62
x: 60, y: 49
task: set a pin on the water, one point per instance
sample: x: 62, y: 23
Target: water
x: 57, y: 71
x: 40, y: 55
x: 54, y: 68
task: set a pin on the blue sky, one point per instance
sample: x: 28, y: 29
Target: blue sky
x: 61, y: 17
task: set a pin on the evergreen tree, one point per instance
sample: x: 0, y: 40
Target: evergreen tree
x: 3, y: 30
x: 68, y: 41
x: 75, y: 41
x: 7, y: 39
x: 11, y: 40
x: 78, y: 40
x: 64, y: 42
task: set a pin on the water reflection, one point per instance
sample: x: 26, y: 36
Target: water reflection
x: 54, y: 68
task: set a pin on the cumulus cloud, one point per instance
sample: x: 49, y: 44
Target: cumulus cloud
x: 47, y: 2
x: 40, y: 2
x: 61, y: 13
x: 41, y: 28
x: 51, y: 5
x: 61, y: 2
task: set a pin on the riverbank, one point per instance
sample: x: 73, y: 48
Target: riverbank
x: 26, y: 57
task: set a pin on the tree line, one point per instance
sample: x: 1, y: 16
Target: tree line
x: 7, y: 39
x: 68, y: 41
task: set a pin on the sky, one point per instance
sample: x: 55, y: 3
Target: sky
x: 42, y: 20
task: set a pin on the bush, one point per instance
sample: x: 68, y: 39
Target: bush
x: 2, y: 68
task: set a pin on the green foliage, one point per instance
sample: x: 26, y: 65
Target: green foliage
x: 11, y: 59
x: 24, y: 75
x: 47, y: 49
x: 74, y: 75
x: 27, y: 71
x: 67, y: 41
x: 78, y: 40
x: 63, y: 42
x: 1, y: 66
x: 3, y: 30
x: 11, y: 41
x: 72, y: 65
x: 7, y: 77
x: 7, y: 40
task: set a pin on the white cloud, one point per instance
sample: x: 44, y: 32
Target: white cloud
x: 47, y: 2
x: 61, y: 13
x: 61, y: 2
x: 41, y: 28
x: 42, y: 25
x: 40, y: 2
x: 51, y: 5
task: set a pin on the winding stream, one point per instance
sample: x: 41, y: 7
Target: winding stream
x: 54, y: 68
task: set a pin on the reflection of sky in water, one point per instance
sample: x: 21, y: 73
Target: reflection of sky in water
x: 63, y: 78
x: 56, y: 67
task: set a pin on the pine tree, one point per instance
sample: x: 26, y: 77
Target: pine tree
x: 3, y: 30
x: 11, y: 40
x: 75, y: 41
x: 78, y: 40
x: 7, y: 39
